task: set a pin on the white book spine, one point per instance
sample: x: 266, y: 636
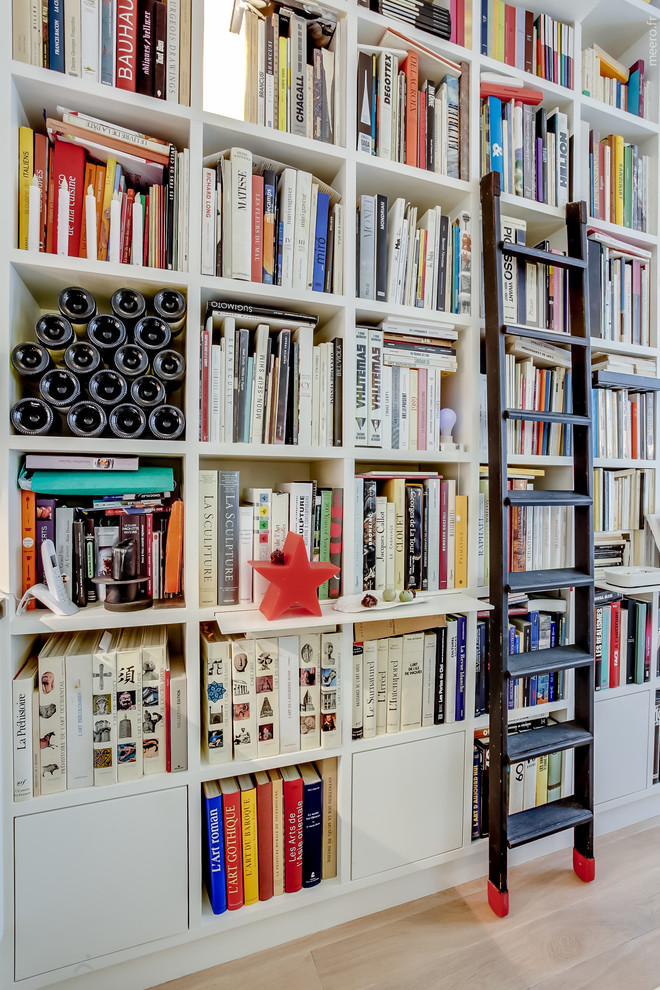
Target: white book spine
x: 451, y: 526
x: 261, y: 71
x: 208, y: 535
x: 154, y: 712
x: 428, y: 687
x: 529, y: 784
x: 279, y: 519
x: 451, y: 662
x: 21, y: 35
x: 331, y: 647
x: 129, y: 713
x: 89, y: 29
x: 310, y: 691
x: 104, y: 708
x: 412, y: 680
x: 323, y: 392
x: 390, y: 529
x: 259, y: 387
x: 178, y: 717
x: 72, y: 35
x: 382, y: 666
x: 267, y: 695
x: 394, y: 659
x: 304, y: 336
x: 172, y: 49
x: 516, y: 786
x: 304, y: 240
x: 387, y: 73
x: 52, y: 723
x: 367, y: 286
x: 241, y: 221
x: 381, y: 542
x: 208, y: 221
x: 229, y: 340
x: 245, y: 553
x: 36, y: 751
x: 361, y: 385
x: 316, y: 393
x: 357, y: 724
x: 387, y: 406
x: 217, y: 732
x: 375, y: 389
x: 64, y: 545
x: 215, y: 405
x: 289, y: 693
x: 369, y: 679
x: 79, y: 762
x: 288, y: 220
x: 22, y: 691
x: 338, y: 262
x: 299, y: 108
x: 244, y: 699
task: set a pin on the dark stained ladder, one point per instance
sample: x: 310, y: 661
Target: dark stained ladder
x: 507, y: 831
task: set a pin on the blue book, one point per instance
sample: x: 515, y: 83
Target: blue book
x: 108, y: 21
x: 568, y: 407
x: 214, y: 850
x: 55, y: 35
x: 542, y: 689
x: 280, y: 245
x: 495, y: 121
x: 461, y: 665
x: 312, y: 825
x: 633, y: 92
x: 320, y: 242
x: 457, y: 258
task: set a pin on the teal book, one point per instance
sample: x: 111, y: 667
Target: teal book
x: 98, y: 483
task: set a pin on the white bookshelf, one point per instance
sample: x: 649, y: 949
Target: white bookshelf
x: 191, y: 937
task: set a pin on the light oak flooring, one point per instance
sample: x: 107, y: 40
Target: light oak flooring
x: 561, y: 934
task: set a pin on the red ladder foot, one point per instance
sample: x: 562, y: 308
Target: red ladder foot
x: 584, y: 868
x: 498, y: 900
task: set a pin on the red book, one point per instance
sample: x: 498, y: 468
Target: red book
x: 453, y: 21
x: 149, y: 553
x: 444, y: 524
x: 460, y: 22
x: 421, y: 129
x: 257, y: 227
x: 615, y: 645
x: 529, y: 41
x: 531, y: 96
x: 69, y: 164
x: 509, y: 34
x: 41, y: 172
x: 410, y: 69
x: 231, y: 816
x: 265, y: 833
x: 126, y: 44
x: 51, y: 246
x: 293, y: 808
x: 647, y: 645
x: 127, y: 227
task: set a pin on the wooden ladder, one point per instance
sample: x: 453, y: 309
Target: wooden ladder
x: 508, y: 831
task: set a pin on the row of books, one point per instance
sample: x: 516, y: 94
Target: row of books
x: 264, y: 385
x: 142, y: 46
x: 86, y: 528
x: 268, y: 697
x: 398, y: 385
x: 265, y: 222
x: 411, y: 681
x: 531, y: 782
x: 530, y: 149
x: 538, y: 44
x: 539, y: 624
x: 606, y: 79
x: 269, y: 833
x: 540, y: 537
x: 624, y: 423
x: 619, y: 290
x: 291, y: 56
x: 622, y: 640
x: 424, y: 263
x: 231, y: 534
x: 98, y: 708
x: 548, y: 389
x: 622, y: 498
x: 404, y: 117
x: 90, y: 189
x: 619, y: 181
x: 410, y: 532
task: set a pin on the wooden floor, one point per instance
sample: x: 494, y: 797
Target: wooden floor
x: 561, y: 934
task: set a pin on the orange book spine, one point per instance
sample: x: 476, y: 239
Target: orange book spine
x: 29, y: 542
x: 41, y: 172
x: 174, y: 550
x: 99, y: 186
x: 411, y: 71
x: 89, y: 180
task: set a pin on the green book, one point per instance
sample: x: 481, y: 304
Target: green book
x: 627, y: 185
x: 640, y: 642
x: 326, y: 507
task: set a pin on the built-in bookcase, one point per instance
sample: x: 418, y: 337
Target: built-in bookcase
x: 380, y: 862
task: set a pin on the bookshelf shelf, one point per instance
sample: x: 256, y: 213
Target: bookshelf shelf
x: 323, y: 303
x: 111, y: 445
x: 45, y: 275
x: 221, y: 133
x: 611, y: 119
x: 396, y: 179
x: 234, y: 767
x: 41, y: 621
x: 429, y: 457
x: 619, y: 462
x: 372, y: 309
x: 645, y: 239
x: 551, y: 91
x: 616, y: 347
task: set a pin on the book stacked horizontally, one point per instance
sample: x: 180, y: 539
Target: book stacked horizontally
x: 268, y: 833
x: 231, y: 534
x: 606, y: 79
x: 265, y: 222
x: 412, y: 106
x: 98, y: 708
x: 104, y: 192
x: 141, y: 47
x: 433, y: 16
x: 265, y: 381
x: 269, y: 696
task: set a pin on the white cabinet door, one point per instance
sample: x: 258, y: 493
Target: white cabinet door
x: 407, y: 803
x: 621, y: 741
x: 99, y: 878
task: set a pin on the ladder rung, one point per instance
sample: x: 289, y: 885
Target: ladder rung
x: 612, y: 379
x: 542, y: 661
x: 540, y: 416
x: 560, y: 577
x: 545, y: 257
x: 545, y: 497
x: 546, y: 739
x: 545, y: 819
x: 551, y: 336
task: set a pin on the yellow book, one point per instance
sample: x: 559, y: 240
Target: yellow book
x: 283, y: 80
x: 494, y: 53
x: 25, y: 172
x: 394, y: 491
x: 328, y: 771
x: 541, y: 780
x: 468, y: 26
x: 618, y: 178
x: 108, y: 190
x: 500, y: 30
x: 610, y: 67
x: 278, y: 831
x: 250, y: 847
x: 461, y: 541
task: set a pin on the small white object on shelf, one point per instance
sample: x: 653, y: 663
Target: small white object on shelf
x: 632, y: 577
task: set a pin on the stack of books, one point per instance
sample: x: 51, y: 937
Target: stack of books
x: 265, y: 222
x: 97, y: 708
x: 231, y: 534
x: 269, y: 697
x: 606, y: 79
x: 437, y: 19
x: 269, y: 833
x: 531, y: 43
x: 619, y: 181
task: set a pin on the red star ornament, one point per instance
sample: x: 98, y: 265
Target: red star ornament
x: 294, y: 582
